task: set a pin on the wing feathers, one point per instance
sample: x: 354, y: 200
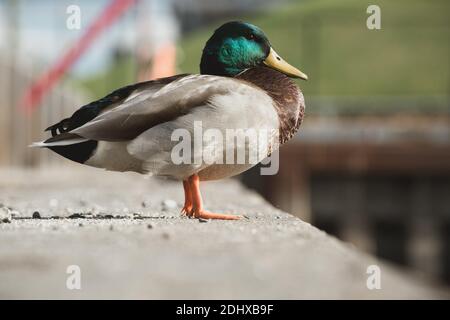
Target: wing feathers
x: 150, y: 108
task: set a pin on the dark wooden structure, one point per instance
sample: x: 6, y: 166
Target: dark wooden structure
x: 380, y: 183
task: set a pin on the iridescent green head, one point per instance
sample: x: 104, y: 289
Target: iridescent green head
x: 237, y: 46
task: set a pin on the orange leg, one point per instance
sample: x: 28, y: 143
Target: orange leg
x: 188, y: 205
x: 197, y: 209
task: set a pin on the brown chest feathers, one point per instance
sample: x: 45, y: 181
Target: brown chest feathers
x: 289, y: 101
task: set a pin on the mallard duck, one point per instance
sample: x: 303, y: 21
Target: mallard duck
x: 243, y: 84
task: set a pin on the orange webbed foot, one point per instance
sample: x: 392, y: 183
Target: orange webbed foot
x: 193, y: 204
x: 187, y: 210
x: 203, y: 214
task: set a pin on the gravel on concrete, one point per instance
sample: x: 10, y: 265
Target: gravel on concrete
x: 126, y: 234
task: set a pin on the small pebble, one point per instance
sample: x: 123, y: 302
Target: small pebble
x: 149, y: 226
x: 137, y: 216
x: 14, y: 213
x: 36, y: 215
x: 5, y: 215
x: 80, y: 224
x: 111, y: 228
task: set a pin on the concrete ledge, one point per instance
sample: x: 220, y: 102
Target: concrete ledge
x: 130, y: 242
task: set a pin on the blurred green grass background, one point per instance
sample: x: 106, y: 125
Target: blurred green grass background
x: 329, y: 41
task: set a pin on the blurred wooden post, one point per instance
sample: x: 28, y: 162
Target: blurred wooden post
x: 4, y: 112
x: 18, y: 129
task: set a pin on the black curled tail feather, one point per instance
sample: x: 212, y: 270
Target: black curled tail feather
x: 60, y: 127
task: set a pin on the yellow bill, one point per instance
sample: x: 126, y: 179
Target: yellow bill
x: 274, y: 61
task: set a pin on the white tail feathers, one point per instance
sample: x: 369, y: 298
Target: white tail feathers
x: 68, y: 142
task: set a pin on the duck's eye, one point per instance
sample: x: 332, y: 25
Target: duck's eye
x: 250, y: 36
